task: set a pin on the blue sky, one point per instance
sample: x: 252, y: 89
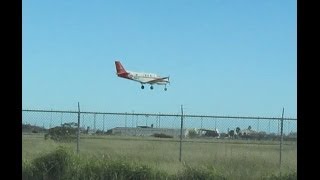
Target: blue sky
x: 224, y: 57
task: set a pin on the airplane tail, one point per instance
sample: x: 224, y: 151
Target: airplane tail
x: 120, y: 68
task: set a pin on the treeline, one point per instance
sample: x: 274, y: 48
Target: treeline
x: 28, y: 128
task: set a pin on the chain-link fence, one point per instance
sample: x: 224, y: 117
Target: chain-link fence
x: 107, y: 123
x: 152, y: 127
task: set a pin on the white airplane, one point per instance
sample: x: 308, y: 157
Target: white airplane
x: 143, y: 78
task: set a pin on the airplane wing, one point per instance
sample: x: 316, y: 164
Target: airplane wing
x: 157, y: 80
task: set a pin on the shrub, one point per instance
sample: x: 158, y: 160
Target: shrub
x: 64, y: 165
x: 27, y: 170
x: 161, y: 135
x: 49, y: 166
x: 192, y: 133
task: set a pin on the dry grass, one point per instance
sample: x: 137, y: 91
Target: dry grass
x: 234, y: 159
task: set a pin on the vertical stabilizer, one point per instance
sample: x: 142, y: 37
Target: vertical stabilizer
x: 120, y: 68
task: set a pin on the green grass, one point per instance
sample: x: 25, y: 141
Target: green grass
x: 64, y: 164
x: 235, y: 159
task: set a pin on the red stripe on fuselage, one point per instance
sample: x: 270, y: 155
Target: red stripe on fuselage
x: 124, y: 75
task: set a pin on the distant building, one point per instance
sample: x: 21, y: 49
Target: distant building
x: 147, y: 131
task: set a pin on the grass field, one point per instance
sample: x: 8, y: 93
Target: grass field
x: 235, y: 159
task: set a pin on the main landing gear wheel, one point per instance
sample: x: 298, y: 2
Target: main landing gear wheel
x: 142, y: 87
x: 151, y: 87
x: 165, y: 89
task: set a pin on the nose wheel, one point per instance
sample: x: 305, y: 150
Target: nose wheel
x: 142, y: 87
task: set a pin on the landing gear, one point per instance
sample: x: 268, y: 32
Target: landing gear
x: 165, y: 89
x: 142, y: 87
x: 151, y: 87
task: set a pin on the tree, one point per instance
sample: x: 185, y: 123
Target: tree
x: 237, y: 130
x: 66, y: 133
x: 231, y: 133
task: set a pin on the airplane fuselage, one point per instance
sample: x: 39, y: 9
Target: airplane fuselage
x: 141, y: 77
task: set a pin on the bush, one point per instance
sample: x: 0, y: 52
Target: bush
x: 192, y: 133
x: 161, y: 135
x: 53, y: 165
x: 100, y: 132
x: 27, y: 170
x: 62, y: 164
x: 34, y: 131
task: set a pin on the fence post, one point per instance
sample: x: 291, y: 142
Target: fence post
x: 159, y: 120
x: 103, y: 122
x: 61, y: 118
x: 94, y: 122
x: 132, y: 124
x: 78, y: 135
x: 125, y: 123
x: 281, y: 139
x: 50, y: 118
x: 181, y: 133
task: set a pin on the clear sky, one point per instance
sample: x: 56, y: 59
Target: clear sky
x: 224, y: 57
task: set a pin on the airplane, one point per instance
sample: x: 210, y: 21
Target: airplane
x: 143, y: 78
